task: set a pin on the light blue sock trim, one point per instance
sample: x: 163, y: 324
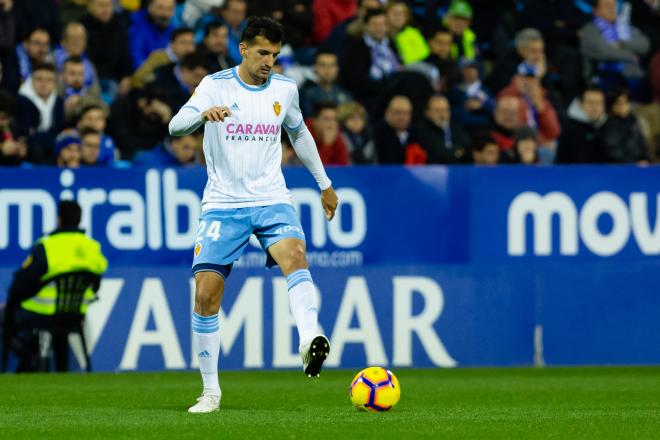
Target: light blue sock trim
x: 298, y: 277
x: 205, y: 324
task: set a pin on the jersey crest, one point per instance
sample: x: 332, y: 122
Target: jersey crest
x: 277, y: 107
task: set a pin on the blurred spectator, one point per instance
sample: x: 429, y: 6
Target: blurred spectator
x: 182, y: 43
x: 297, y: 18
x: 328, y: 13
x: 74, y: 43
x: 622, y: 137
x: 525, y: 148
x: 558, y: 20
x: 654, y: 75
x: 471, y: 102
x: 646, y: 16
x: 177, y: 82
x: 94, y: 116
x: 214, y: 47
x: 353, y: 120
x: 174, y: 151
x: 444, y: 142
x: 529, y: 48
x: 40, y: 113
x: 393, y: 136
x: 485, y: 150
x: 457, y: 20
x: 613, y: 45
x: 150, y: 29
x: 325, y: 130
x: 440, y: 44
x: 138, y: 121
x: 18, y: 64
x: 233, y: 14
x: 194, y: 10
x: 107, y: 45
x: 32, y: 14
x: 410, y: 43
x: 506, y: 118
x: 7, y: 26
x: 370, y: 59
x: 67, y: 150
x: 535, y: 109
x: 72, y: 87
x: 13, y: 150
x: 580, y: 138
x: 325, y: 88
x: 90, y: 146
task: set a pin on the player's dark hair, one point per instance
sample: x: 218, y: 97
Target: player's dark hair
x: 210, y: 27
x: 265, y: 27
x: 44, y: 66
x: 75, y: 59
x: 176, y: 33
x: 68, y: 211
x: 323, y: 105
x: 373, y: 12
x: 322, y: 52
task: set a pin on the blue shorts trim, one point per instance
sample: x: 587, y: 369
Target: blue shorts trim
x: 223, y: 269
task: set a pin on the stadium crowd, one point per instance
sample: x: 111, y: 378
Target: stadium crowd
x: 96, y: 82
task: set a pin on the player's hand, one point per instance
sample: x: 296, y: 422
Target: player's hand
x: 329, y: 201
x: 216, y: 114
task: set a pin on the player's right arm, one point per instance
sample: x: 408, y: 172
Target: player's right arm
x: 198, y: 110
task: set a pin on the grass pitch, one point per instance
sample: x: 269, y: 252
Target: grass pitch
x: 461, y: 403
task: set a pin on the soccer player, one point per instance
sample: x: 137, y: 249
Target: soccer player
x: 243, y: 110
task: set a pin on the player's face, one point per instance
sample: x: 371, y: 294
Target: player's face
x: 259, y: 57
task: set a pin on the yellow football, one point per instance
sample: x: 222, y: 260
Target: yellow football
x: 374, y: 389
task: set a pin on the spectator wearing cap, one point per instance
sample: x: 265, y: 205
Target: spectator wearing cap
x: 410, y: 43
x: 444, y: 141
x: 525, y: 147
x: 40, y: 113
x: 613, y: 45
x: 580, y: 139
x: 67, y: 150
x: 182, y: 43
x: 485, y: 150
x: 535, y: 109
x: 150, y: 29
x: 324, y: 88
x: 621, y: 135
x: 440, y: 43
x: 325, y: 130
x: 471, y: 102
x: 368, y: 61
x: 356, y: 132
x: 458, y: 20
x: 174, y: 151
x: 107, y: 44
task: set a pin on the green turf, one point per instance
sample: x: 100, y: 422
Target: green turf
x: 461, y: 403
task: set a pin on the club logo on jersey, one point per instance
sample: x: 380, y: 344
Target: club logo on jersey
x: 198, y: 249
x: 277, y: 107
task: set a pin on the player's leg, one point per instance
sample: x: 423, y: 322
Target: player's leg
x: 209, y: 288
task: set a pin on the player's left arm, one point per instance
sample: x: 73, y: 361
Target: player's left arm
x: 306, y: 150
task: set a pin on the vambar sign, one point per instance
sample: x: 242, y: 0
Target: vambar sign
x: 582, y: 225
x: 246, y: 318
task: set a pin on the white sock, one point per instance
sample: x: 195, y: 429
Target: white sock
x: 302, y: 299
x: 206, y: 342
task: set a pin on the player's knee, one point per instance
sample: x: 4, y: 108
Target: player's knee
x: 295, y: 259
x: 208, y: 293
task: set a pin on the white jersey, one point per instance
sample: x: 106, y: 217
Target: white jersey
x: 244, y: 153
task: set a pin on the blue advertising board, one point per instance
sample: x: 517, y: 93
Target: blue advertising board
x: 423, y: 266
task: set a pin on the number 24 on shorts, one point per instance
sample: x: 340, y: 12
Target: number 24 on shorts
x: 212, y: 232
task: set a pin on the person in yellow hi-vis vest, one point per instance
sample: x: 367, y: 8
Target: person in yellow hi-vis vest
x: 32, y: 297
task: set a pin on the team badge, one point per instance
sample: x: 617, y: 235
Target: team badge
x: 277, y: 107
x: 198, y: 249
